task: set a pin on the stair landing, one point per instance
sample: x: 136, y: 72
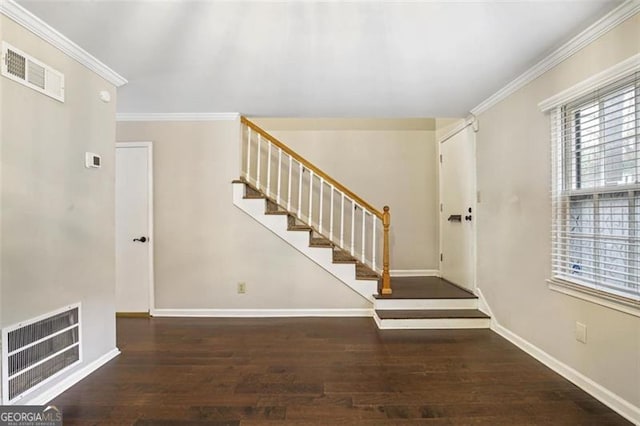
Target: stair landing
x: 425, y: 288
x: 428, y: 303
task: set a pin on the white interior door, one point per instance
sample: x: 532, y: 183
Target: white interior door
x: 457, y: 217
x: 134, y: 216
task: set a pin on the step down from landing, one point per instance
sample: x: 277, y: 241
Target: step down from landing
x: 431, y: 318
x: 428, y: 303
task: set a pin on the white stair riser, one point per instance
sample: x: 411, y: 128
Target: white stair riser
x: 432, y: 323
x: 397, y: 304
x: 323, y: 256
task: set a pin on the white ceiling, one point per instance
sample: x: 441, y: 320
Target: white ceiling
x: 322, y: 59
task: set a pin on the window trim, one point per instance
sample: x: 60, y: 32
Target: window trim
x: 622, y: 304
x: 618, y: 71
x: 553, y: 105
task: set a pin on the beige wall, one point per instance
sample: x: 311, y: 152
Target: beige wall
x: 514, y: 226
x: 204, y: 245
x: 385, y: 161
x: 57, y: 218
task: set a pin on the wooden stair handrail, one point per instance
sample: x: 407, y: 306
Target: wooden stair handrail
x: 384, y: 217
x: 307, y: 164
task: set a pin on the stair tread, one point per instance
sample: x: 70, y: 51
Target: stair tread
x: 320, y: 242
x: 363, y: 272
x: 342, y: 256
x: 430, y: 313
x: 250, y: 192
x: 425, y: 288
x: 299, y: 228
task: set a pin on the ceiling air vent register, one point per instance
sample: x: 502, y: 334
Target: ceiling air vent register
x: 27, y: 70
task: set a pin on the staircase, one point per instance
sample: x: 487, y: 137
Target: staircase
x: 344, y: 235
x: 340, y: 263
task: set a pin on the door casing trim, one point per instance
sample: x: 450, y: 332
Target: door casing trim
x: 466, y: 126
x: 149, y: 146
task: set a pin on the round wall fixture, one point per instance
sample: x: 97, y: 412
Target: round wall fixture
x: 105, y: 96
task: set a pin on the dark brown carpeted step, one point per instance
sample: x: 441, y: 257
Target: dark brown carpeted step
x: 250, y: 192
x: 273, y: 208
x: 318, y: 241
x: 429, y: 313
x: 342, y: 256
x: 294, y: 225
x: 363, y: 272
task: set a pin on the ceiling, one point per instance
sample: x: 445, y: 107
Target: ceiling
x: 317, y: 59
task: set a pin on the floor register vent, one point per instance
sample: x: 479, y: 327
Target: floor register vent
x: 36, y: 351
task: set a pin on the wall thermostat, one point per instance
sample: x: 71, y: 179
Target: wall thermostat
x: 92, y: 161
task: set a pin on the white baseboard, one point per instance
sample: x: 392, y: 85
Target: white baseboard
x: 43, y: 398
x: 604, y: 395
x: 262, y: 313
x: 414, y: 273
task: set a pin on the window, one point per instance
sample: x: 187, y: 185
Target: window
x: 596, y: 190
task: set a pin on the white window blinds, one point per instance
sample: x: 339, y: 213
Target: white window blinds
x: 596, y: 190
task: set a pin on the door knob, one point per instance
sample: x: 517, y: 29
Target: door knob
x: 141, y: 239
x: 468, y: 218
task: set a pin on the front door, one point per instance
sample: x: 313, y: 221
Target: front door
x: 134, y: 249
x: 457, y: 217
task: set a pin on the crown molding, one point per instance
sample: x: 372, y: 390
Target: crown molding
x: 593, y: 32
x: 178, y: 116
x: 619, y: 71
x: 37, y: 26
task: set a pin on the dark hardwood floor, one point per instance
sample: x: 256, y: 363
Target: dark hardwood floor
x: 328, y: 371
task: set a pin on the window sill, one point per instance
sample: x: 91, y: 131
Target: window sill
x: 621, y: 304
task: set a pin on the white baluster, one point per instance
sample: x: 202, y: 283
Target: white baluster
x: 364, y: 221
x: 268, y: 169
x: 300, y: 192
x: 289, y: 185
x: 342, y: 222
x: 321, y: 190
x: 310, y: 197
x: 258, y: 157
x: 374, y: 219
x: 248, y: 176
x: 279, y: 174
x: 353, y: 226
x: 331, y: 214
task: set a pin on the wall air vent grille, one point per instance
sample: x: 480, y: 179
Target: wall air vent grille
x: 26, y: 70
x: 36, y: 75
x: 35, y: 351
x: 16, y: 64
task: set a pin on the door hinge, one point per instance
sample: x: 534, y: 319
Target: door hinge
x: 441, y: 257
x: 440, y: 206
x: 440, y: 158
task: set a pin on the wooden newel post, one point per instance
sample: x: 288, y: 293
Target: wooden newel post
x: 386, y: 278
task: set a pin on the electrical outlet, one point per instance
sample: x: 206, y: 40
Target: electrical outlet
x: 581, y: 332
x: 242, y: 288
